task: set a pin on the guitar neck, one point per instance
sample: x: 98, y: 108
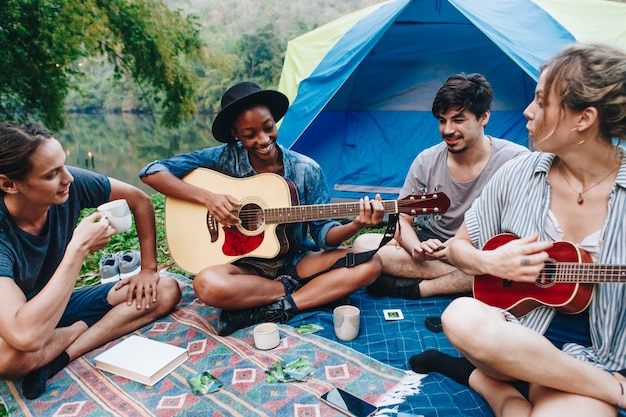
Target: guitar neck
x: 586, y: 273
x: 297, y: 214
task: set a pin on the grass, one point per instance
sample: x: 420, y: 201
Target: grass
x: 128, y: 240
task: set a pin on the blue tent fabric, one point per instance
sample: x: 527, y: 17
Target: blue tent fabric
x: 521, y: 29
x: 338, y: 64
x: 364, y: 111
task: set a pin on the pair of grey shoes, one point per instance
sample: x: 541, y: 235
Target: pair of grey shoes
x: 117, y: 266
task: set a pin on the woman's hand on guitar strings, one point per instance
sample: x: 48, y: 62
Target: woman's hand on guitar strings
x: 520, y: 260
x: 224, y: 208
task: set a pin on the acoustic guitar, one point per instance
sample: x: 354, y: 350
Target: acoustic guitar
x: 565, y: 283
x: 268, y: 202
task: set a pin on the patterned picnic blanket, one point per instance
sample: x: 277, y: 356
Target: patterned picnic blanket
x: 83, y: 390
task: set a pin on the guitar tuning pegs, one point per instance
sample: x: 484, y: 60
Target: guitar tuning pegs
x: 437, y: 217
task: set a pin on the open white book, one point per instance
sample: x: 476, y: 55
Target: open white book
x: 141, y: 359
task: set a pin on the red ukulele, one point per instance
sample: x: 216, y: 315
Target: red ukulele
x: 565, y: 283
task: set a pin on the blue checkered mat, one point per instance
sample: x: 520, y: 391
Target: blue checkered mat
x: 394, y: 342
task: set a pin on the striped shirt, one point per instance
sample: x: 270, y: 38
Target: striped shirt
x: 506, y: 206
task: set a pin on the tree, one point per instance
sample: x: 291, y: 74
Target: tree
x: 43, y: 43
x: 262, y: 54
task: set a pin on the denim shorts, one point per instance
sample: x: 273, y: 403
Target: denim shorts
x: 569, y: 328
x: 87, y: 304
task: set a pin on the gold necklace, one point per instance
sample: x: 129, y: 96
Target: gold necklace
x: 580, y: 198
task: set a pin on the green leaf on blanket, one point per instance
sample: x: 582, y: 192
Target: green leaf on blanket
x: 294, y: 371
x: 308, y: 328
x: 204, y: 383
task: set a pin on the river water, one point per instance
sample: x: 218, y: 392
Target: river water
x: 119, y: 145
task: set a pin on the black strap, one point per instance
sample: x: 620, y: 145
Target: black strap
x: 353, y: 259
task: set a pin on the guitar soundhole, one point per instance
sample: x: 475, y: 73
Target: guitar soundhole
x: 251, y: 216
x: 546, y: 277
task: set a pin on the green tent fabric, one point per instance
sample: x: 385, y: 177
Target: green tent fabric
x: 590, y: 20
x: 306, y: 52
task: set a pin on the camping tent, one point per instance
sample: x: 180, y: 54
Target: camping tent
x: 362, y: 87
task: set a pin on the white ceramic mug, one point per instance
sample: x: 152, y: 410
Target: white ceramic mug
x: 346, y: 319
x: 118, y: 214
x: 266, y: 336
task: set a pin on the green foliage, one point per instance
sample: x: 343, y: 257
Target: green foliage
x: 45, y: 43
x: 148, y: 39
x: 167, y: 58
x: 36, y: 47
x: 257, y: 55
x: 262, y: 55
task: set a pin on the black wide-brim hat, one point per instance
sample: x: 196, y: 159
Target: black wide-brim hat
x: 238, y: 98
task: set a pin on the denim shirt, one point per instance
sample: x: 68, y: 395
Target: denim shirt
x: 232, y: 159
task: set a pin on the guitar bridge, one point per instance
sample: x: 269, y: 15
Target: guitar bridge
x: 211, y: 225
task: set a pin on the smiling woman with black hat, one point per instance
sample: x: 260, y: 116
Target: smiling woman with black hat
x: 253, y: 290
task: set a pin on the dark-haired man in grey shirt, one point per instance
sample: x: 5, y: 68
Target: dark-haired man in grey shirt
x: 414, y: 263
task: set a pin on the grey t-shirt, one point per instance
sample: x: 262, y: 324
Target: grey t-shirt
x: 31, y: 260
x: 429, y: 173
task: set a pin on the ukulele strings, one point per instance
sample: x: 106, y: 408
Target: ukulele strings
x: 589, y: 273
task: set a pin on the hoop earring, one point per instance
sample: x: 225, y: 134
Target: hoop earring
x: 582, y: 141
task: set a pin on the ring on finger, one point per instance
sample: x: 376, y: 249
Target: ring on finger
x: 524, y: 261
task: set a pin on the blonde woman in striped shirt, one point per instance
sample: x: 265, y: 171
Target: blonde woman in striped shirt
x: 549, y: 363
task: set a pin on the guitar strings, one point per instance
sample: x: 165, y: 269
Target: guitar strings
x: 250, y: 214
